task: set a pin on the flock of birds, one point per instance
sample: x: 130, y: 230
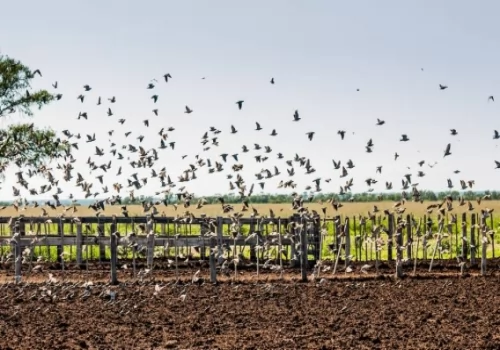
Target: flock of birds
x: 127, y: 150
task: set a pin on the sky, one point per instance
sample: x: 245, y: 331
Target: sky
x: 320, y: 53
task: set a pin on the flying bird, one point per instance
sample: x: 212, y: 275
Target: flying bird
x: 447, y: 151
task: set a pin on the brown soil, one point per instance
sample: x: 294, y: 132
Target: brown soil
x: 415, y: 313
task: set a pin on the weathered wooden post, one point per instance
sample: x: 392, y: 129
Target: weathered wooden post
x: 409, y: 236
x: 150, y: 241
x: 424, y: 237
x: 113, y: 226
x: 114, y: 258
x: 292, y: 222
x: 399, y: 250
x: 347, y: 249
x: 151, y: 248
x: 102, y: 248
x: 253, y: 254
x: 484, y: 244
x: 492, y: 225
x: 60, y: 233
x: 220, y: 230
x: 303, y: 251
x: 211, y: 257
x: 464, y: 237
x: 473, y: 240
x: 390, y: 233
x: 79, y: 243
x: 18, y: 251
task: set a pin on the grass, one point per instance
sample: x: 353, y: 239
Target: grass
x: 361, y: 248
x: 280, y: 209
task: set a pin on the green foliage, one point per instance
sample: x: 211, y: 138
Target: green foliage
x: 15, y: 94
x: 24, y: 144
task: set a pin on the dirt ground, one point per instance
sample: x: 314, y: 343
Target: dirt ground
x: 355, y: 311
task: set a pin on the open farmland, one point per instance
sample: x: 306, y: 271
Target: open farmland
x: 444, y: 313
x: 280, y: 210
x: 249, y: 175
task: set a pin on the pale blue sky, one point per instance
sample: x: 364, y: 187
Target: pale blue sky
x: 319, y: 53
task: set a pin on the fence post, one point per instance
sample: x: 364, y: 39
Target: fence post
x: 409, y: 236
x: 113, y: 226
x: 151, y: 248
x: 22, y: 226
x: 253, y: 255
x: 102, y: 247
x: 303, y: 254
x: 293, y: 221
x: 484, y: 244
x: 79, y: 243
x: 18, y: 251
x: 60, y: 233
x: 390, y: 244
x: 492, y: 224
x: 114, y: 257
x: 473, y: 240
x: 213, y: 272
x: 464, y: 237
x: 220, y: 229
x: 347, y: 248
x: 399, y: 251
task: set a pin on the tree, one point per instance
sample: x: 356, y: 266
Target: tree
x: 24, y: 144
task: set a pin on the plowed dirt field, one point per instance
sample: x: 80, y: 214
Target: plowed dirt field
x: 445, y: 312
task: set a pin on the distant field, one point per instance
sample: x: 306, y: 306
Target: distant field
x: 280, y: 210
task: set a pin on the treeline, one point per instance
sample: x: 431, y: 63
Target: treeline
x: 356, y: 197
x: 283, y: 198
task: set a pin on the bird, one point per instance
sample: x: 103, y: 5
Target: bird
x: 380, y: 122
x: 453, y: 132
x: 240, y: 104
x: 188, y: 110
x: 272, y: 81
x: 310, y: 135
x: 404, y: 138
x: 443, y: 87
x: 447, y: 151
x: 296, y: 117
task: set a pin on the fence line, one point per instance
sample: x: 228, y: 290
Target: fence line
x: 296, y: 240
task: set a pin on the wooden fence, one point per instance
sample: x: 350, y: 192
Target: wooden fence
x: 301, y: 240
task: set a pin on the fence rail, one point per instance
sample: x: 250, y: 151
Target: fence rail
x: 297, y: 240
